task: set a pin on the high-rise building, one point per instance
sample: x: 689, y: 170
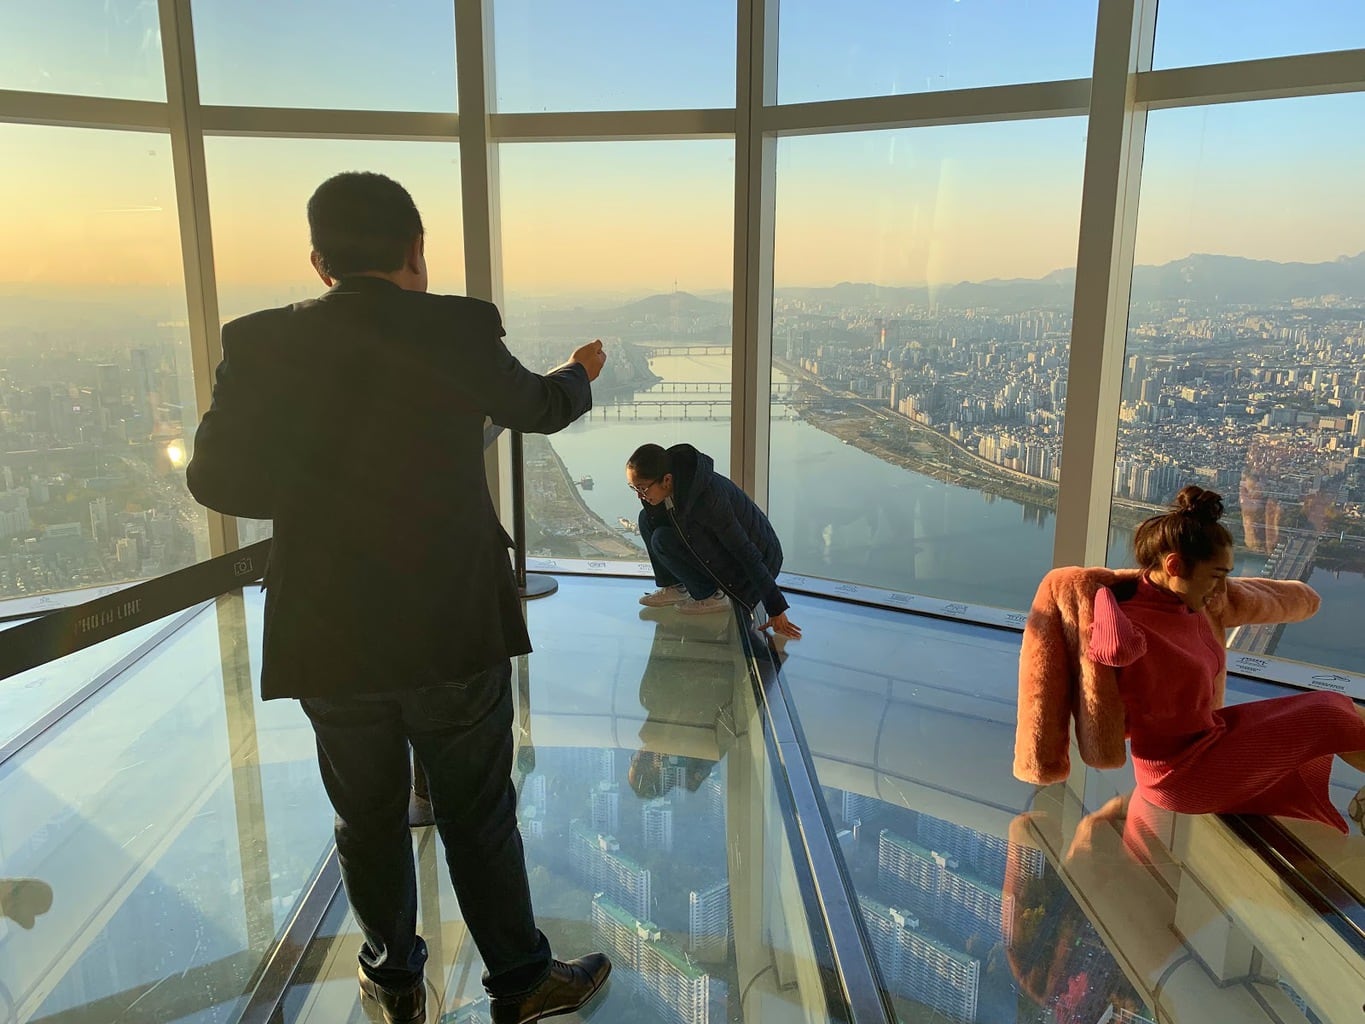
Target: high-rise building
x: 600, y: 864
x: 144, y: 386
x: 606, y: 808
x: 109, y: 381
x: 14, y: 517
x: 663, y: 976
x: 919, y: 967
x: 656, y: 824
x: 986, y: 853
x: 858, y: 807
x: 99, y: 519
x: 934, y: 884
x: 708, y: 921
x: 536, y: 793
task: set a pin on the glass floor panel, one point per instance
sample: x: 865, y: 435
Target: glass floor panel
x: 28, y: 696
x: 990, y: 900
x: 652, y: 827
x: 156, y: 841
x: 153, y: 841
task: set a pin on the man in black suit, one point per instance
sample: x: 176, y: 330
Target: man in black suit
x: 355, y: 422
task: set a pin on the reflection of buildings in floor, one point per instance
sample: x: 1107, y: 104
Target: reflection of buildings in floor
x: 929, y: 882
x: 664, y: 975
x: 919, y: 967
x: 602, y: 867
x: 1203, y: 927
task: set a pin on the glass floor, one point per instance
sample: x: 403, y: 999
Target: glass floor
x: 160, y: 842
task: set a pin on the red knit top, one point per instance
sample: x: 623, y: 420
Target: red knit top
x: 1168, y: 693
x: 1269, y: 756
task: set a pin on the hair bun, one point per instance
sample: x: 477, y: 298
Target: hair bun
x: 1206, y: 506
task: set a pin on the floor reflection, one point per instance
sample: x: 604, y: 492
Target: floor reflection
x: 170, y: 820
x: 988, y: 901
x: 644, y: 796
x: 155, y: 845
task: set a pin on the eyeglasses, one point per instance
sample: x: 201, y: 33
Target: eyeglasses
x: 642, y: 489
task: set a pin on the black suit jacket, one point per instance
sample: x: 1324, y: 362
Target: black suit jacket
x: 355, y: 422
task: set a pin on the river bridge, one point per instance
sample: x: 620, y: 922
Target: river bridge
x: 675, y: 409
x: 653, y: 350
x: 712, y: 387
x: 684, y: 399
x: 1292, y: 559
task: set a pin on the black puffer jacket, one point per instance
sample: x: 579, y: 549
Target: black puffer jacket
x: 726, y: 531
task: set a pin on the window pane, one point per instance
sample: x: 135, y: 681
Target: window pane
x: 349, y: 55
x: 1191, y: 32
x: 922, y: 310
x: 97, y: 383
x: 258, y: 195
x: 864, y: 48
x: 82, y: 47
x: 630, y: 243
x: 614, y: 55
x: 1245, y: 350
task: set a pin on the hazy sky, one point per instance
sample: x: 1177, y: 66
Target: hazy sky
x: 938, y: 205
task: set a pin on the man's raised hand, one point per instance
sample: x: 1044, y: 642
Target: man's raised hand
x: 591, y: 357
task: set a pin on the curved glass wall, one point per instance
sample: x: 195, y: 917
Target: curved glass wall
x: 1190, y: 32
x: 1243, y: 367
x: 877, y: 48
x: 98, y: 404
x: 82, y: 47
x: 921, y: 345
x: 341, y: 56
x: 630, y: 243
x: 922, y: 290
x: 613, y: 55
x: 258, y: 197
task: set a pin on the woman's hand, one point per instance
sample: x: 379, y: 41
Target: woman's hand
x: 779, y: 624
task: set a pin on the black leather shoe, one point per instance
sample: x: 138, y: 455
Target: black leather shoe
x: 408, y: 1007
x: 567, y: 987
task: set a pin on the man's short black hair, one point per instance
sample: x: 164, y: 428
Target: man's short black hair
x: 649, y: 461
x: 361, y: 221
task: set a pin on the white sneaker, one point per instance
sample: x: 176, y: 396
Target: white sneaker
x: 665, y: 596
x: 717, y: 602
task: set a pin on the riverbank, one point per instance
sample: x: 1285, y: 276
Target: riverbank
x: 902, y: 442
x: 559, y: 524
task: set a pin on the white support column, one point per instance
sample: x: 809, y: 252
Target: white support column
x: 196, y: 238
x: 755, y: 204
x: 478, y: 157
x: 1104, y: 271
x: 479, y: 194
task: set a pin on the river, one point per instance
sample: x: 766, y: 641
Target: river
x: 845, y: 514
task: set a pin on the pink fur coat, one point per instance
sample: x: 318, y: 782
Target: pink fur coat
x: 1060, y: 683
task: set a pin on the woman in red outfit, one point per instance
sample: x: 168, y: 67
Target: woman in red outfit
x: 1189, y: 755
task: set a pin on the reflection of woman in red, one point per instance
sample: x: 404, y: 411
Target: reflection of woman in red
x: 1190, y: 755
x: 1267, y: 474
x: 1057, y: 957
x: 1260, y: 516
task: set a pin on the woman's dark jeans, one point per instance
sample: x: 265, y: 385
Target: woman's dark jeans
x: 673, y: 560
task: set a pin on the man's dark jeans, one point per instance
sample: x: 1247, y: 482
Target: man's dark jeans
x: 673, y: 561
x: 462, y: 734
